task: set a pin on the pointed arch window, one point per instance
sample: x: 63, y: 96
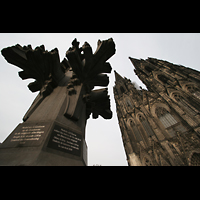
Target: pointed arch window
x: 169, y: 122
x: 195, y: 159
x: 184, y: 104
x: 146, y: 125
x: 148, y: 68
x: 128, y: 103
x: 197, y: 94
x: 163, y: 78
x: 122, y: 89
x: 193, y: 90
x: 165, y: 117
x: 135, y: 130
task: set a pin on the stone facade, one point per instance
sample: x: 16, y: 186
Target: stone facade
x: 160, y: 126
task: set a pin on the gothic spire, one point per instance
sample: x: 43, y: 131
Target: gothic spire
x: 135, y: 62
x: 118, y: 77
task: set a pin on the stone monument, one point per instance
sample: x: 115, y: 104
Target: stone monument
x: 53, y: 131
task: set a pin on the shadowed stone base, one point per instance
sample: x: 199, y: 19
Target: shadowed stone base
x: 44, y: 144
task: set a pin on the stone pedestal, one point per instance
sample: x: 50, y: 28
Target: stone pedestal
x: 44, y: 143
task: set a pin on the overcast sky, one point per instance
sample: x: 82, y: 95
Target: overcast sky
x: 103, y: 137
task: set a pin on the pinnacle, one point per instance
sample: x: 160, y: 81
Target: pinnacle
x: 135, y: 62
x: 118, y: 77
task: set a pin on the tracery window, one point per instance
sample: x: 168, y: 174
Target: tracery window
x: 148, y: 68
x: 195, y: 159
x: 165, y: 117
x: 193, y: 90
x: 197, y: 94
x: 163, y: 78
x: 146, y: 125
x: 135, y: 130
x: 122, y: 89
x: 128, y: 103
x: 169, y: 122
x: 184, y: 104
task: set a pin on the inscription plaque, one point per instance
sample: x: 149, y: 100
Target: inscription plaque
x: 26, y: 134
x: 65, y: 140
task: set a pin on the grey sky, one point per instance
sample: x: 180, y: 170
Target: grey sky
x: 103, y: 137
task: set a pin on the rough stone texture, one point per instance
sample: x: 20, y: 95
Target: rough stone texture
x: 160, y: 126
x: 53, y: 131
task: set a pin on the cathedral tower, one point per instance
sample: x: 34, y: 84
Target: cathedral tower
x: 160, y: 126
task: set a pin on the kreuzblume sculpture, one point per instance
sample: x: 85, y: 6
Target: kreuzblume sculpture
x: 53, y: 131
